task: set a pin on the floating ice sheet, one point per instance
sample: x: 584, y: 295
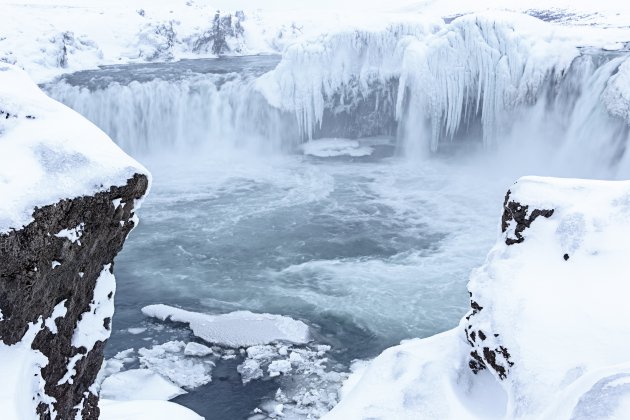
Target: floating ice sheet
x: 235, y: 329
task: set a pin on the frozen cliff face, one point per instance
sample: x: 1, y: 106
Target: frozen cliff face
x: 336, y: 73
x: 67, y: 202
x: 547, y: 333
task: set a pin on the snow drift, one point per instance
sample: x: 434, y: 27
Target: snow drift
x: 546, y: 334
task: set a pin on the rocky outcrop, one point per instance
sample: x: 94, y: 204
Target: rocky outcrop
x: 67, y: 200
x: 54, y: 264
x: 488, y: 350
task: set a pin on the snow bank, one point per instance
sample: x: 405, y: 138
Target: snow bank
x: 138, y: 384
x: 142, y: 410
x: 547, y: 331
x: 48, y: 152
x: 236, y: 329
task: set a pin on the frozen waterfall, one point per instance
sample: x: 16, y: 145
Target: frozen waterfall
x: 501, y: 81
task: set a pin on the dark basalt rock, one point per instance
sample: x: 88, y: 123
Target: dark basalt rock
x: 487, y: 349
x: 519, y: 213
x: 31, y: 286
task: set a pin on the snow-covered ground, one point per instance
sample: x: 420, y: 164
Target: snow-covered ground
x: 548, y: 322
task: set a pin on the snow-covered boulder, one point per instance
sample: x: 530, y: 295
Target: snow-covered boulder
x: 67, y: 200
x: 547, y: 333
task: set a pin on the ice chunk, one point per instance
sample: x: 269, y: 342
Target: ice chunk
x: 196, y: 349
x: 235, y: 329
x: 169, y: 360
x: 249, y: 370
x: 336, y: 147
x: 278, y: 367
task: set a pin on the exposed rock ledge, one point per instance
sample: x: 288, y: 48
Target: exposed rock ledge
x: 59, y: 269
x: 67, y: 201
x: 547, y: 333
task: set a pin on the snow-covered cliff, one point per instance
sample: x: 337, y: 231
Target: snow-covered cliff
x: 68, y: 201
x: 546, y: 336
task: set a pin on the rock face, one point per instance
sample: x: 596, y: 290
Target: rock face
x: 57, y: 260
x: 67, y: 201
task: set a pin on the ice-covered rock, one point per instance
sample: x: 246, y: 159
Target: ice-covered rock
x: 340, y: 70
x: 546, y: 336
x: 59, y: 234
x: 480, y: 67
x: 235, y: 329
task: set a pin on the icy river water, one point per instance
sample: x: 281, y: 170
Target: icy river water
x: 367, y: 250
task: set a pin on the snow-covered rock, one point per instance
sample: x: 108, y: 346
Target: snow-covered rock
x: 59, y: 234
x: 235, y: 329
x: 546, y: 336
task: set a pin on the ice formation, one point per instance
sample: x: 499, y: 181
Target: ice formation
x: 495, y: 62
x: 348, y: 63
x: 236, y: 329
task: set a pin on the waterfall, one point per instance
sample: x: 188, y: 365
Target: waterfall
x: 178, y: 111
x: 478, y: 81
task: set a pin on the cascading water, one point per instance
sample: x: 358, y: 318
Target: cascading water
x: 204, y: 105
x: 368, y: 248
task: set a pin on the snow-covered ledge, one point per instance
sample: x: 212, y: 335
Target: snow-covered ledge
x: 547, y: 333
x: 67, y: 201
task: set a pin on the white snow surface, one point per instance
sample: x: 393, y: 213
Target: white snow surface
x: 90, y: 328
x: 563, y: 321
x: 22, y: 386
x: 73, y: 234
x: 139, y: 384
x: 235, y: 329
x: 145, y: 409
x: 49, y: 152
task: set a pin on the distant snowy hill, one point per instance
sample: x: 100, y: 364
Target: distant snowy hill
x: 48, y: 39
